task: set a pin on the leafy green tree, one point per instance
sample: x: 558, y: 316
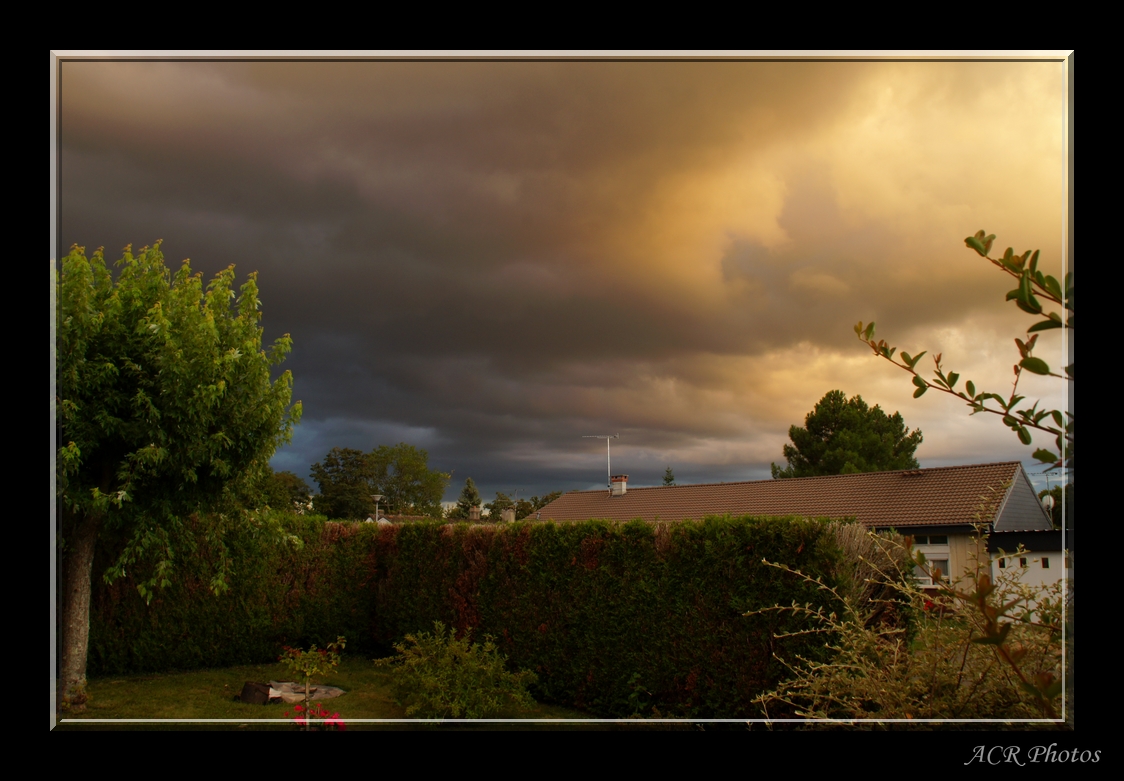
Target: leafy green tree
x: 1032, y: 286
x: 401, y: 473
x: 284, y: 491
x: 541, y: 502
x: 1056, y: 511
x: 843, y: 436
x: 524, y: 508
x: 346, y: 483
x: 496, y: 507
x: 669, y: 477
x: 164, y: 408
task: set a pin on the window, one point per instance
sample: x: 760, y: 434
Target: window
x: 1045, y: 563
x: 1002, y: 564
x: 937, y: 557
x: 1022, y: 562
x: 933, y: 565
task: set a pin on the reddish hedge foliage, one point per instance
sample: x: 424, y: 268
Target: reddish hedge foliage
x: 614, y: 618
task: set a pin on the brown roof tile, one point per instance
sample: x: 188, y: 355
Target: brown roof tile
x: 920, y: 497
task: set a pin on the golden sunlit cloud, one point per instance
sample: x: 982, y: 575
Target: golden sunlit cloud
x: 507, y: 255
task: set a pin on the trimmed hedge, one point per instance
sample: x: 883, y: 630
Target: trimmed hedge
x: 279, y: 594
x: 614, y: 618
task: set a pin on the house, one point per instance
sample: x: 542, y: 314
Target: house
x: 1045, y: 558
x: 938, y: 507
x: 388, y: 520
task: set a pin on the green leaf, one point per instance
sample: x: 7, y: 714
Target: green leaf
x: 971, y: 389
x: 1044, y: 325
x: 1034, y: 261
x: 1030, y: 305
x: 1024, y: 435
x: 1035, y: 365
x: 919, y: 393
x: 975, y: 243
x: 1045, y: 456
x: 920, y: 383
x: 1057, y: 417
x: 952, y: 378
x: 870, y: 332
x: 1052, y: 285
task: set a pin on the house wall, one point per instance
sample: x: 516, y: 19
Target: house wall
x: 963, y: 554
x: 1034, y: 573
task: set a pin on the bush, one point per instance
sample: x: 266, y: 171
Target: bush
x: 994, y: 652
x: 439, y: 676
x: 600, y: 611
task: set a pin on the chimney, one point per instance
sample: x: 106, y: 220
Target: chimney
x: 618, y: 485
x: 474, y: 513
x: 508, y: 514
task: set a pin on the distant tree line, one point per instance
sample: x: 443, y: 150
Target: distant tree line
x: 347, y: 479
x: 470, y: 498
x: 400, y: 473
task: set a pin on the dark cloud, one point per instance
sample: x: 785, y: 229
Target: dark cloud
x: 491, y: 259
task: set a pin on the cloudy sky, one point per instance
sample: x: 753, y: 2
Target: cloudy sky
x: 490, y: 260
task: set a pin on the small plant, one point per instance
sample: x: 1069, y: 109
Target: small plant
x: 314, y: 661
x: 438, y: 676
x: 316, y: 717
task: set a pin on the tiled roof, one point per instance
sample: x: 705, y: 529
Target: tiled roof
x: 940, y: 496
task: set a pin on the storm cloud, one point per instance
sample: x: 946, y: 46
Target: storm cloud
x: 492, y: 259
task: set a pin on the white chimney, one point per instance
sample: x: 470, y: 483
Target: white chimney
x: 474, y: 513
x: 618, y: 485
x: 508, y: 514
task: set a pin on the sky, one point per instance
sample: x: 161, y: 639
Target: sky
x: 491, y: 260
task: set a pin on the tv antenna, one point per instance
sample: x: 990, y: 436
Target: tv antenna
x: 608, y: 462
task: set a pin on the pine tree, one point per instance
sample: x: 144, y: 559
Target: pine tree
x: 842, y: 436
x: 469, y: 499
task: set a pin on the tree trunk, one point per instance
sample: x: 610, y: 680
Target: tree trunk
x: 79, y: 565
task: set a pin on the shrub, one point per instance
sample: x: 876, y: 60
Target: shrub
x: 439, y: 676
x: 994, y: 652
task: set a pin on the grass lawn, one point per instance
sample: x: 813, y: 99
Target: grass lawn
x: 209, y: 694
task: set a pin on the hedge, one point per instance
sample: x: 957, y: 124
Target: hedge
x: 614, y: 618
